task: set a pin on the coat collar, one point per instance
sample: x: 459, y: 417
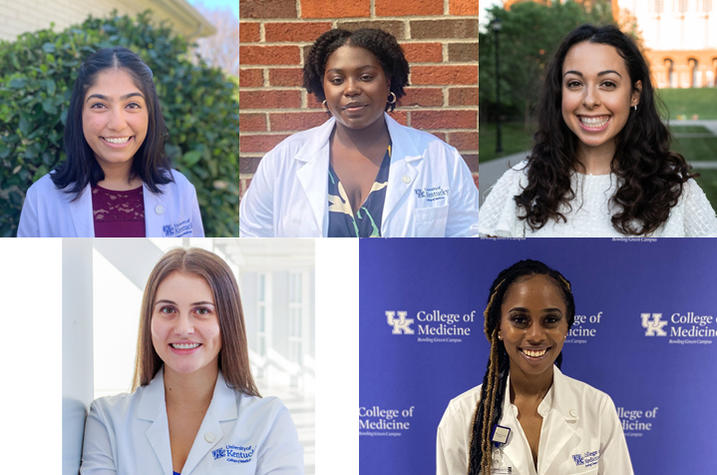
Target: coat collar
x: 560, y: 410
x: 314, y: 169
x: 152, y: 408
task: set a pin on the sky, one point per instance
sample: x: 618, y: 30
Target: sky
x: 232, y: 4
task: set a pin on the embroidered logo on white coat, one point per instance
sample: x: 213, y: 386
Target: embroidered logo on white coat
x: 587, y: 459
x: 234, y: 453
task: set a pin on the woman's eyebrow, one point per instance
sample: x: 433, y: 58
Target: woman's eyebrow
x: 601, y: 73
x: 102, y: 97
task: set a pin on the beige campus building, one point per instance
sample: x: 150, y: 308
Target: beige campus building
x: 20, y: 17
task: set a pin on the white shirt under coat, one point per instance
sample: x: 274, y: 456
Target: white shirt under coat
x: 128, y: 434
x: 578, y: 420
x: 430, y: 190
x: 51, y: 212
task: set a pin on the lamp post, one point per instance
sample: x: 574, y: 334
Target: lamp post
x: 496, y: 26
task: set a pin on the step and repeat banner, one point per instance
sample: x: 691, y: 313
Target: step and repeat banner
x: 644, y: 332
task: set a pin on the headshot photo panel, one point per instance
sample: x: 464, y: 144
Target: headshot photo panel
x: 360, y: 120
x: 589, y: 127
x: 585, y: 350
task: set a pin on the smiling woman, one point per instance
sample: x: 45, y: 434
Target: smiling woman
x: 601, y: 163
x: 527, y: 416
x: 360, y: 174
x: 194, y: 408
x: 116, y: 180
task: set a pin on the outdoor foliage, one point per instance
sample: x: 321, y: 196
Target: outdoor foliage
x: 530, y: 32
x: 199, y: 104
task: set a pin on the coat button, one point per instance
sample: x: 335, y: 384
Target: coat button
x: 573, y: 413
x: 159, y: 209
x: 209, y: 437
x: 406, y: 179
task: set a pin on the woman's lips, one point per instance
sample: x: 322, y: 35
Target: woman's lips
x: 117, y: 142
x: 593, y: 124
x: 534, y: 353
x: 184, y: 348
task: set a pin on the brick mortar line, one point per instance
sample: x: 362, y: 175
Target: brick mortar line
x: 291, y: 132
x: 412, y: 41
x: 418, y: 109
x: 363, y: 18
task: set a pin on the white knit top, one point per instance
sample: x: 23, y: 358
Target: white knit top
x: 589, y: 214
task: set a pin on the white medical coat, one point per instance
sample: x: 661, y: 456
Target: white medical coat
x: 579, y: 423
x: 49, y: 212
x: 240, y: 435
x: 430, y: 190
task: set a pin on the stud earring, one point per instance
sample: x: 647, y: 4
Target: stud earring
x: 635, y: 107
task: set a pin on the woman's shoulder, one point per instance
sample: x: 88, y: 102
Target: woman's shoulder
x: 462, y: 407
x: 115, y: 406
x: 498, y: 216
x: 268, y: 407
x: 43, y: 185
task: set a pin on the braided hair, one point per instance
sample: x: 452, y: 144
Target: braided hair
x: 490, y: 407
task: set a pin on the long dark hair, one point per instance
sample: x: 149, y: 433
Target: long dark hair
x: 150, y: 163
x: 651, y: 177
x: 234, y: 355
x: 490, y: 407
x: 383, y: 45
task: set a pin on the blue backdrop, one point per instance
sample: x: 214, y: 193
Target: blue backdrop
x: 659, y: 367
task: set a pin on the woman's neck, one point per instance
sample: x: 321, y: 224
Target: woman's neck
x: 595, y: 160
x: 523, y: 386
x: 193, y: 390
x: 119, y: 177
x: 361, y: 138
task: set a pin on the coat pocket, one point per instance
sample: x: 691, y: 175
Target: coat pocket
x: 431, y: 222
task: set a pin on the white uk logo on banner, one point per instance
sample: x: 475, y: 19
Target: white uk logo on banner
x: 655, y: 326
x: 400, y: 324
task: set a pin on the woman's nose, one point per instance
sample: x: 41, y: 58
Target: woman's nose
x: 352, y: 87
x: 536, y: 334
x: 591, y: 98
x: 184, y: 325
x: 117, y: 120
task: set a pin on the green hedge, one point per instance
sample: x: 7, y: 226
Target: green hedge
x: 199, y: 104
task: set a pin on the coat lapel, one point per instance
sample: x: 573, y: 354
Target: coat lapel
x: 152, y: 408
x: 313, y: 173
x: 81, y: 212
x: 516, y: 453
x: 562, y: 419
x: 405, y: 160
x: 222, y: 408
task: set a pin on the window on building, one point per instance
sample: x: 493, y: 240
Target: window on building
x: 692, y: 63
x: 706, y: 6
x: 296, y: 310
x: 657, y: 7
x: 670, y: 71
x: 262, y: 305
x: 681, y: 6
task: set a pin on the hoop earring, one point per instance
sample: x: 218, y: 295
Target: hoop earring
x: 391, y: 101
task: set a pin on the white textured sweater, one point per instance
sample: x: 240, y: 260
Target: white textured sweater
x: 590, y: 213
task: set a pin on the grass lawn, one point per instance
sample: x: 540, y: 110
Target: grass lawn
x: 694, y: 143
x: 686, y: 103
x: 708, y: 182
x: 514, y: 139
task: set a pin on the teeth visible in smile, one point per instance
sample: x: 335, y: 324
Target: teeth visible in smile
x: 117, y: 140
x: 594, y: 121
x: 184, y: 346
x: 535, y: 353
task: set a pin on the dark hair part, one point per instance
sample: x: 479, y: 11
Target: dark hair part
x: 651, y: 177
x: 234, y: 355
x: 490, y: 407
x: 383, y: 45
x: 149, y: 163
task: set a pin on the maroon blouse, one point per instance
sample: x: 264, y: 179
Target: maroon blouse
x: 118, y: 213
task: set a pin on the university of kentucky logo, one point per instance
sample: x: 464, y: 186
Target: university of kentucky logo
x: 655, y: 326
x: 400, y: 324
x: 234, y: 453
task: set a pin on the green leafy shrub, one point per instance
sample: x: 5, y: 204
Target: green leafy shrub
x: 199, y: 104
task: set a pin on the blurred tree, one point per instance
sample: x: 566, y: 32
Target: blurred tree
x: 529, y: 34
x: 221, y: 49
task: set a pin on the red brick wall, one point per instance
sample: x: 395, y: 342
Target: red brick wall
x: 439, y: 38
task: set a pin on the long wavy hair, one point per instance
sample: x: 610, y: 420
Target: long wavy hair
x: 150, y: 163
x: 233, y: 355
x: 650, y: 176
x: 489, y: 409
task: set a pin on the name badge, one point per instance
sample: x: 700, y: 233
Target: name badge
x: 500, y: 435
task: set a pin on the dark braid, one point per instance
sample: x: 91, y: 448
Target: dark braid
x: 489, y: 409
